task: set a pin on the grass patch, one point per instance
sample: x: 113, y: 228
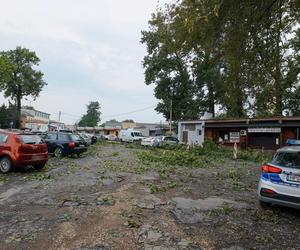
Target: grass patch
x: 115, y: 234
x: 225, y: 210
x: 267, y: 215
x: 38, y: 176
x: 254, y: 156
x: 115, y: 154
x: 161, y: 187
x: 3, y: 180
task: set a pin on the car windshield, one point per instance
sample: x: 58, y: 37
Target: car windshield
x: 75, y: 137
x: 138, y: 134
x: 31, y: 139
x: 287, y: 159
x: 3, y: 138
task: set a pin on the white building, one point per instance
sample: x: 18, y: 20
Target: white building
x: 36, y: 120
x: 56, y: 126
x: 191, y: 132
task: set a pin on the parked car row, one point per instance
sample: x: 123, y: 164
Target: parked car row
x: 159, y: 141
x: 21, y: 148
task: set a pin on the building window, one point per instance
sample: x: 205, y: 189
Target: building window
x: 190, y: 127
x: 224, y: 136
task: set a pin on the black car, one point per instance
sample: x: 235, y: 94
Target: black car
x: 62, y: 144
x: 94, y: 139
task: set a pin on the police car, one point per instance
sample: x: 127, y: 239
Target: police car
x: 280, y: 179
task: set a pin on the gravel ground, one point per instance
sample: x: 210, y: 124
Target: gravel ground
x: 110, y: 199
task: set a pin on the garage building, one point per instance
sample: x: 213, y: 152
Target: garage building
x: 267, y: 133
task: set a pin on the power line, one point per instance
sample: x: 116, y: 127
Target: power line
x: 128, y: 113
x: 108, y: 116
x: 67, y: 114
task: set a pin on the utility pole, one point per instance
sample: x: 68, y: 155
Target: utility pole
x: 171, y: 111
x: 59, y: 116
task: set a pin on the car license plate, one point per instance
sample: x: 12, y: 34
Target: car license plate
x: 293, y: 177
x: 36, y: 157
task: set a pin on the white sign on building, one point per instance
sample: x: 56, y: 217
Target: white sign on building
x: 234, y: 137
x: 264, y: 130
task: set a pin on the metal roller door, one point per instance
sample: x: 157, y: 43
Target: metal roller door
x: 266, y: 140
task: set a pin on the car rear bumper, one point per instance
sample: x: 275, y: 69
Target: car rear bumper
x: 77, y: 150
x: 36, y: 159
x: 281, y: 199
x: 283, y: 195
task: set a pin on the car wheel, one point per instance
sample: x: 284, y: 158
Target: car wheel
x: 58, y: 153
x: 39, y: 167
x: 5, y: 165
x: 264, y: 205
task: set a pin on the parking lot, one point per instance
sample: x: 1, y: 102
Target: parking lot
x: 123, y: 196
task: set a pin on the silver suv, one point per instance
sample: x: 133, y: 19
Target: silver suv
x: 280, y: 179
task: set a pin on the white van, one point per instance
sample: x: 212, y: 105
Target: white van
x: 130, y: 135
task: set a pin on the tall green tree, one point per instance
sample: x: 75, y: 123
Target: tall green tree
x: 200, y: 31
x: 19, y: 76
x: 292, y: 99
x: 273, y: 55
x: 236, y: 55
x: 167, y: 67
x: 92, y: 116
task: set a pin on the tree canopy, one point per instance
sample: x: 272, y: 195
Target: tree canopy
x: 7, y: 115
x: 129, y: 121
x: 92, y: 116
x: 240, y: 58
x: 19, y: 77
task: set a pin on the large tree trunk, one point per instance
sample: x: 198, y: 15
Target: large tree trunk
x: 211, y: 101
x: 18, y: 100
x: 279, y: 88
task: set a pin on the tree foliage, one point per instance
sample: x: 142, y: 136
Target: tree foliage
x: 92, y: 116
x: 7, y: 115
x: 293, y: 102
x: 19, y: 77
x: 129, y: 121
x: 239, y: 57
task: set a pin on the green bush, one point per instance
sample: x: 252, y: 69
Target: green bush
x: 254, y: 155
x: 198, y: 156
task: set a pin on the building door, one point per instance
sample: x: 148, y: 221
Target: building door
x: 264, y: 140
x: 185, y: 137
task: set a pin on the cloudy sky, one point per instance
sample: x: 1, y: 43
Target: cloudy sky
x: 90, y: 51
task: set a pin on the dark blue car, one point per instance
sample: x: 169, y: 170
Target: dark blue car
x: 64, y: 144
